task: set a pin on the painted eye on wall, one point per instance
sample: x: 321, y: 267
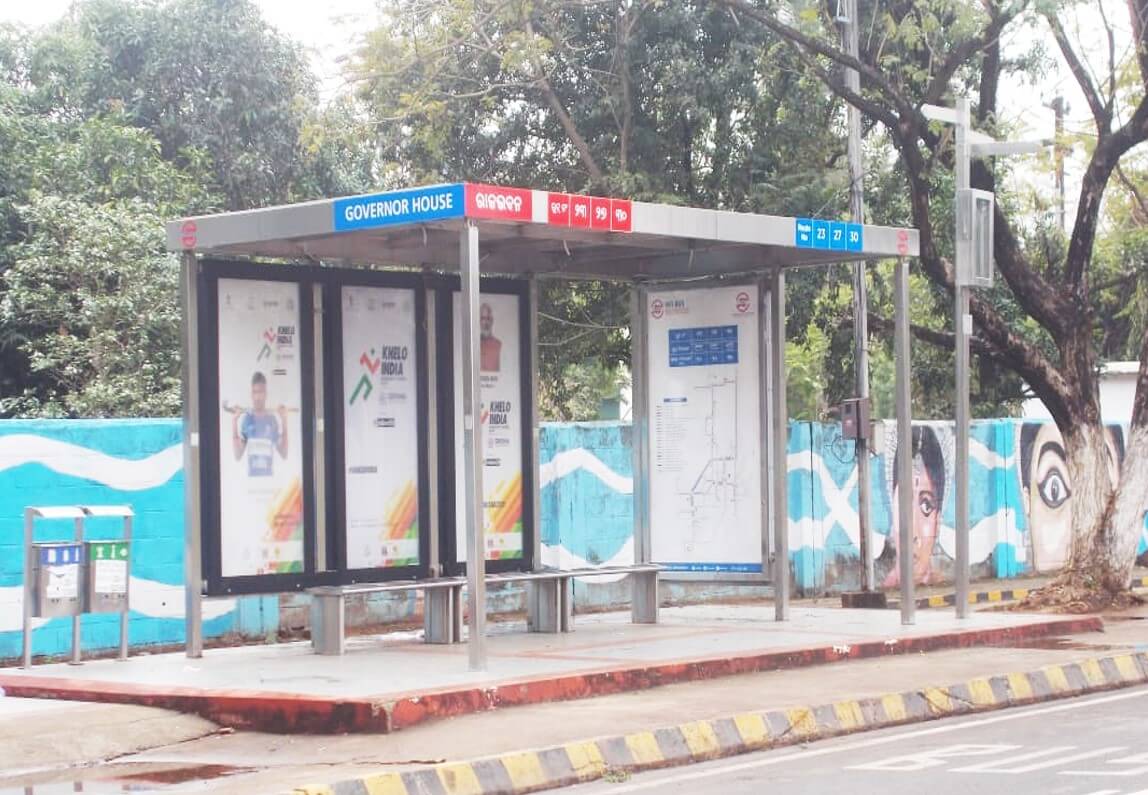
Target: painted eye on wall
x: 926, y: 503
x: 1053, y: 489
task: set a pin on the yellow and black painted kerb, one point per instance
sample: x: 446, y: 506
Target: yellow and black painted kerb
x: 529, y: 771
x: 997, y: 595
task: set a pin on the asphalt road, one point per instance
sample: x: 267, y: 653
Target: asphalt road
x: 1090, y: 746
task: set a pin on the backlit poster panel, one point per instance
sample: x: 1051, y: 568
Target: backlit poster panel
x: 500, y: 366
x: 260, y: 428
x: 704, y: 419
x: 380, y: 427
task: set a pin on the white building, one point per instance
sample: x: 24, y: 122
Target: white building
x: 1117, y: 390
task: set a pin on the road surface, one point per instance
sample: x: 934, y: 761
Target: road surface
x: 1089, y: 746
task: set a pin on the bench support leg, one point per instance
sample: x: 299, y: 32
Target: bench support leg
x: 548, y: 603
x: 441, y: 615
x: 328, y: 627
x: 644, y: 607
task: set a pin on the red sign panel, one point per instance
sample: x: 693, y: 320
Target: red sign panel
x: 188, y: 234
x: 558, y: 209
x: 600, y: 214
x: 620, y: 218
x: 580, y: 211
x: 502, y: 204
x: 902, y: 241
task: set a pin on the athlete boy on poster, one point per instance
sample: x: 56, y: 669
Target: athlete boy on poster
x: 258, y: 432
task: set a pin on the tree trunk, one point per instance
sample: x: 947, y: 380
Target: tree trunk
x: 1090, y: 547
x: 1128, y: 510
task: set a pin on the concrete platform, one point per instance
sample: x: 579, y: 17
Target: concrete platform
x: 393, y: 681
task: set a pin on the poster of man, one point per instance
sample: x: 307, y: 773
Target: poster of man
x: 502, y: 427
x: 490, y: 355
x: 260, y: 465
x: 257, y: 432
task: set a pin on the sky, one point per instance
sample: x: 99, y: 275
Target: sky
x: 329, y: 29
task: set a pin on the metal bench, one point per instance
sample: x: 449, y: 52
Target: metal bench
x: 550, y: 602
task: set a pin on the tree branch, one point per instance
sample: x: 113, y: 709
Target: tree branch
x: 1105, y: 157
x: 543, y: 83
x: 1101, y: 115
x: 834, y: 54
x: 989, y: 39
x: 1137, y: 12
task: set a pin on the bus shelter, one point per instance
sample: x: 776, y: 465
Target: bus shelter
x: 361, y: 386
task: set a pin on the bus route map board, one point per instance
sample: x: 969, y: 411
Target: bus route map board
x: 704, y: 418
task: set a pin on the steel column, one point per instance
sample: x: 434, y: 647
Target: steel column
x: 192, y: 548
x: 963, y: 328
x: 29, y: 519
x: 472, y: 447
x: 780, y: 446
x: 644, y: 600
x: 904, y: 475
x: 318, y: 438
x: 78, y: 535
x: 126, y: 614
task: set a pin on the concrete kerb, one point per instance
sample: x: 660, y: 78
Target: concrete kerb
x: 991, y: 596
x: 580, y: 762
x: 278, y: 712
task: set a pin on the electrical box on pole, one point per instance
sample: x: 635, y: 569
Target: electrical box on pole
x: 975, y: 238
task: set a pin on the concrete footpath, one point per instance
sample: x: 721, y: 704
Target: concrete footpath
x: 489, y: 751
x: 391, y: 682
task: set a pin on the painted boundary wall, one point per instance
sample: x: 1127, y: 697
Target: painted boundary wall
x: 587, y: 519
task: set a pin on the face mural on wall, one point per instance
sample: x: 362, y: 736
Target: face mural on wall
x: 1046, y: 489
x: 931, y: 463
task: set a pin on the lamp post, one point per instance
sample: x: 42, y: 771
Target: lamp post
x: 974, y: 268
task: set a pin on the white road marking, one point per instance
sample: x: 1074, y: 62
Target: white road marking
x: 1137, y: 759
x: 923, y: 760
x: 1056, y: 760
x: 779, y: 759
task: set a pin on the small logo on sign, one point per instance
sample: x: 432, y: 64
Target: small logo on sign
x: 657, y: 308
x: 371, y: 363
x: 902, y: 241
x: 188, y: 234
x: 742, y: 303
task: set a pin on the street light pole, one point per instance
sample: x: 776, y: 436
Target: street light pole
x: 963, y: 325
x: 973, y: 268
x: 850, y: 42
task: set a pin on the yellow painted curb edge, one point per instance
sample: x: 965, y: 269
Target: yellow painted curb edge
x: 530, y: 771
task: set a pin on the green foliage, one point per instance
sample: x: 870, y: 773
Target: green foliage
x: 119, y: 117
x: 101, y: 333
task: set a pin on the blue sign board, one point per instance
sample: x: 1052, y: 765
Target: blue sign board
x: 821, y: 234
x: 399, y: 207
x: 832, y: 235
x: 837, y: 236
x: 856, y: 241
x: 65, y: 555
x: 695, y: 347
x: 803, y: 237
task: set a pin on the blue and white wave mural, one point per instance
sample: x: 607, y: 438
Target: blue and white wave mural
x: 1019, y: 508
x: 1020, y: 500
x: 134, y: 462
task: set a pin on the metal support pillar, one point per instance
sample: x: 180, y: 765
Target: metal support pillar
x: 78, y: 536
x: 192, y: 563
x: 441, y: 609
x: 963, y: 328
x: 849, y: 38
x: 126, y: 614
x: 644, y: 600
x: 780, y: 446
x: 904, y: 475
x: 319, y: 429
x: 472, y: 447
x: 542, y: 607
x: 764, y: 396
x: 29, y: 562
